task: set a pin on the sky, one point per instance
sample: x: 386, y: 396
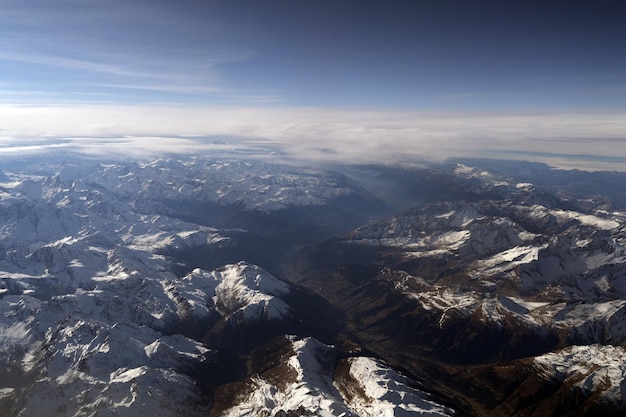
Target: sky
x: 342, y: 79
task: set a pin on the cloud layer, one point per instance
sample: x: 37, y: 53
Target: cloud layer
x: 577, y: 140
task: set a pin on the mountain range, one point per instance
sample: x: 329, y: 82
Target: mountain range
x: 203, y: 286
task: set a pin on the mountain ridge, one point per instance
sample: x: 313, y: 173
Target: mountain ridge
x: 182, y: 286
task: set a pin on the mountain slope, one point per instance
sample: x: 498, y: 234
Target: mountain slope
x: 105, y: 308
x: 200, y: 286
x: 508, y: 272
x: 294, y: 376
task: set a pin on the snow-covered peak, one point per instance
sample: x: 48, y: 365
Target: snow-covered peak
x: 242, y: 291
x: 90, y: 367
x: 310, y: 380
x: 372, y: 389
x: 594, y: 370
x: 253, y: 184
x: 251, y: 277
x: 485, y: 178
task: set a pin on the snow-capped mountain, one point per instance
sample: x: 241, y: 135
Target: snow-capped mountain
x: 308, y: 378
x: 504, y: 271
x: 545, y: 264
x: 91, y: 361
x: 105, y: 307
x: 199, y: 286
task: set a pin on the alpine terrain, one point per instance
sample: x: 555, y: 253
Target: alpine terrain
x: 223, y: 286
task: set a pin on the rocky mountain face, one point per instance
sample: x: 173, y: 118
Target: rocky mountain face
x: 509, y: 274
x: 230, y: 288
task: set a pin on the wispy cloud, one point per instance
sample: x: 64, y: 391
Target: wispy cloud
x: 115, y: 45
x: 92, y: 66
x: 583, y: 140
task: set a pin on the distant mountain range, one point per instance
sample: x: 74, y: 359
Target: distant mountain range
x: 229, y: 287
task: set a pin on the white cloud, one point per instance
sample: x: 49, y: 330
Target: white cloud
x: 573, y: 139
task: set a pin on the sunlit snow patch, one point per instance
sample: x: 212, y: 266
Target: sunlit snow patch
x: 586, y: 219
x: 595, y: 368
x: 509, y: 259
x: 524, y: 304
x: 374, y: 390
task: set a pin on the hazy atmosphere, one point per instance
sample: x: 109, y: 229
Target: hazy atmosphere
x: 337, y: 208
x: 359, y: 80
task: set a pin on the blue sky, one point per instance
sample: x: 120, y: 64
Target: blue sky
x: 408, y: 54
x: 516, y: 60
